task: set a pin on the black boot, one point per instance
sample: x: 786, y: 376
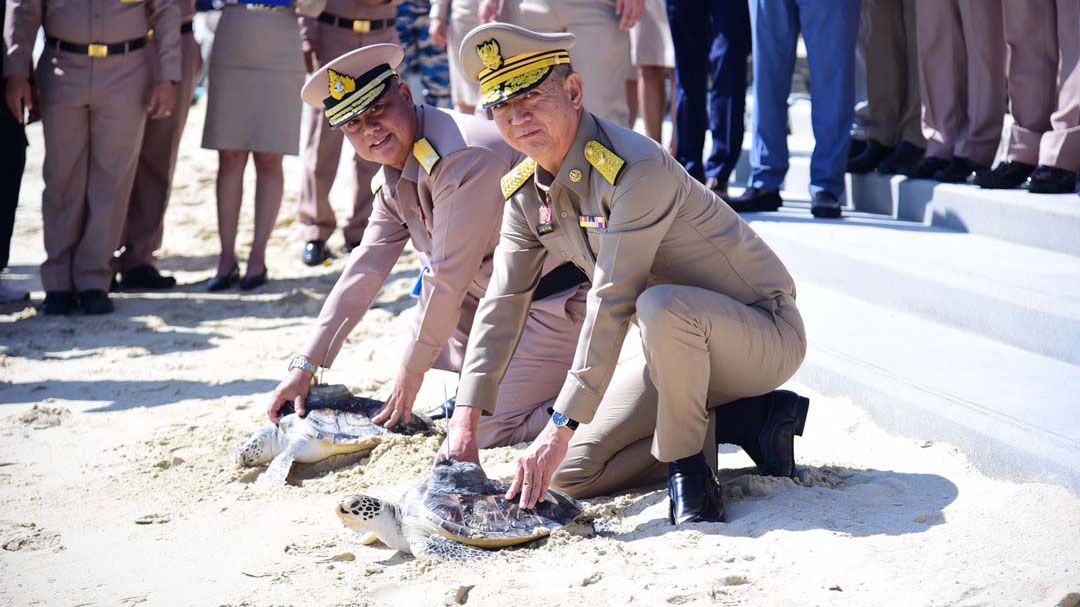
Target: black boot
x: 1005, y: 176
x: 59, y: 303
x: 869, y: 159
x: 902, y: 160
x: 825, y: 206
x: 755, y: 200
x: 146, y: 277
x: 315, y: 252
x: 95, y: 301
x: 765, y: 427
x: 1052, y: 180
x: 927, y: 167
x: 959, y: 170
x: 694, y: 494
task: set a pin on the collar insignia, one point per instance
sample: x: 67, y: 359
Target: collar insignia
x: 378, y: 181
x: 606, y: 162
x: 425, y: 154
x: 340, y: 84
x: 512, y: 181
x: 490, y: 54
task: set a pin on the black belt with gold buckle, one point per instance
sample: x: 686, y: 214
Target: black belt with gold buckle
x: 97, y: 51
x: 360, y: 26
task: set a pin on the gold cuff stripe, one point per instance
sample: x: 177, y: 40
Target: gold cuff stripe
x: 359, y: 98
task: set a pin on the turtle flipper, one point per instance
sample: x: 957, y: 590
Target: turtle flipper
x: 438, y: 548
x: 278, y: 470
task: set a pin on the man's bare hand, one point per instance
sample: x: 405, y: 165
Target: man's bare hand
x: 162, y: 100
x: 437, y: 31
x: 631, y: 12
x: 400, y: 405
x: 489, y: 10
x: 293, y: 389
x: 20, y: 97
x: 536, y: 467
x: 460, y: 444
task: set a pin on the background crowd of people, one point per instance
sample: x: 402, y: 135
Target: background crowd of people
x: 940, y: 77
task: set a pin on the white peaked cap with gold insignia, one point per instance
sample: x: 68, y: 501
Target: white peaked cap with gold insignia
x: 349, y: 85
x: 508, y: 60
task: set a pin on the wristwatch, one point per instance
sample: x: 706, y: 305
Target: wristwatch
x: 562, y: 421
x: 303, y: 363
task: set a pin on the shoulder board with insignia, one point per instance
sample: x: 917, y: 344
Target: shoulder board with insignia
x: 378, y: 181
x: 606, y: 162
x: 512, y: 181
x: 425, y: 154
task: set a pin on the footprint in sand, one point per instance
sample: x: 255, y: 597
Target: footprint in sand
x: 27, y: 537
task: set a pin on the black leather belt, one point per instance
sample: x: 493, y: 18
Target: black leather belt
x: 558, y: 280
x: 360, y: 26
x: 96, y: 51
x: 187, y: 28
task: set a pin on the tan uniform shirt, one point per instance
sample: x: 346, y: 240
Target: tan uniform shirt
x: 451, y: 211
x: 651, y: 224
x: 348, y: 9
x: 92, y: 22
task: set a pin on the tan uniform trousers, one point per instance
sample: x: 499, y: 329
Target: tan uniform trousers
x: 1044, y: 101
x: 322, y: 149
x: 601, y: 53
x: 892, y: 75
x: 157, y: 162
x: 702, y: 349
x: 463, y: 19
x: 93, y: 113
x: 962, y: 70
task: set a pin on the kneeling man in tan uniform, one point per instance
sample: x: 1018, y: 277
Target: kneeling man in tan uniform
x: 438, y: 187
x: 715, y: 306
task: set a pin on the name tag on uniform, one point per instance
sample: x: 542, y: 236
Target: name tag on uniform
x: 592, y: 221
x: 546, y: 220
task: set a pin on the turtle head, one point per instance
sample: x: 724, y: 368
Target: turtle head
x: 371, y: 515
x: 262, y: 447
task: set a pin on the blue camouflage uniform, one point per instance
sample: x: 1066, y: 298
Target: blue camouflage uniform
x: 422, y: 56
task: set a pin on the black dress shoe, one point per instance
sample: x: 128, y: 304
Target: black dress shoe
x: 253, y: 282
x: 95, y: 301
x: 694, y: 498
x: 765, y: 427
x: 220, y: 283
x: 146, y: 277
x: 825, y: 206
x: 443, y: 411
x: 1005, y: 176
x: 716, y: 186
x: 348, y: 247
x: 315, y: 252
x: 1052, y: 180
x: 959, y: 170
x: 869, y: 159
x: 855, y: 148
x: 59, y: 303
x: 755, y: 200
x: 927, y: 168
x: 902, y: 160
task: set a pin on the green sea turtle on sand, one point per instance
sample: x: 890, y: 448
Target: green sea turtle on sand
x: 454, y: 514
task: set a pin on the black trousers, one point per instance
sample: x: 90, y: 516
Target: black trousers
x: 12, y: 163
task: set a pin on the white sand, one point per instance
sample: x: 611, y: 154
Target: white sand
x: 120, y: 489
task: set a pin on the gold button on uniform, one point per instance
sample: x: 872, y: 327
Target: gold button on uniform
x: 575, y: 175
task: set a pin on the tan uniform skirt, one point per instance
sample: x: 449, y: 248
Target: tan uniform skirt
x: 650, y: 40
x: 256, y: 73
x: 464, y: 16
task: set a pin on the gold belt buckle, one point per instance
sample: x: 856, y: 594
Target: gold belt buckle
x: 361, y: 26
x: 97, y: 51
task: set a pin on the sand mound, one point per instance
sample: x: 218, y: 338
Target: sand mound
x: 40, y: 417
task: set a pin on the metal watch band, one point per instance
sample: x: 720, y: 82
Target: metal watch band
x: 301, y: 362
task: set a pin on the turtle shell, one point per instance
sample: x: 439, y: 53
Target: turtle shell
x: 462, y: 504
x: 336, y: 416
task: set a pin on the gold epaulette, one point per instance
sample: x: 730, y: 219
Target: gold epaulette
x: 378, y: 181
x: 425, y: 154
x: 606, y: 162
x: 512, y: 181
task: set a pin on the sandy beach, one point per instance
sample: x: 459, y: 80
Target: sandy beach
x: 118, y: 481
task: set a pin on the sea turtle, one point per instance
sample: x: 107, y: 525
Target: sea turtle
x: 336, y: 422
x: 454, y: 513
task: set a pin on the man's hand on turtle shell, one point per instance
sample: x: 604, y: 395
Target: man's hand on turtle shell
x: 460, y: 444
x: 293, y: 389
x: 399, y: 406
x: 536, y: 467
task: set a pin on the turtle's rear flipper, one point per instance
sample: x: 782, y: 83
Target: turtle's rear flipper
x: 278, y: 470
x: 438, y: 548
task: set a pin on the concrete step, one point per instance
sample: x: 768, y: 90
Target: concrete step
x: 1014, y: 413
x: 1022, y: 296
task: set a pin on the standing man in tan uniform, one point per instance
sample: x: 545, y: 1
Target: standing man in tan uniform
x: 1044, y: 99
x: 439, y: 188
x: 715, y: 306
x: 602, y: 56
x: 345, y: 25
x: 150, y: 193
x: 96, y: 91
x: 962, y: 72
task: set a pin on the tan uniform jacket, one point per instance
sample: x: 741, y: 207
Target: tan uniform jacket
x: 348, y: 9
x: 654, y: 224
x: 449, y: 206
x: 92, y: 22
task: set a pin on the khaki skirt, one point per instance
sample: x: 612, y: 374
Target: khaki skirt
x: 650, y: 40
x: 256, y: 73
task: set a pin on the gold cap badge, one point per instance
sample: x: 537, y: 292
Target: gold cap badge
x: 340, y: 84
x: 490, y: 54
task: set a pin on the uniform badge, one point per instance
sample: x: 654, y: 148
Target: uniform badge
x: 575, y: 175
x: 425, y: 154
x: 490, y: 54
x: 340, y: 84
x: 546, y: 220
x: 592, y: 221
